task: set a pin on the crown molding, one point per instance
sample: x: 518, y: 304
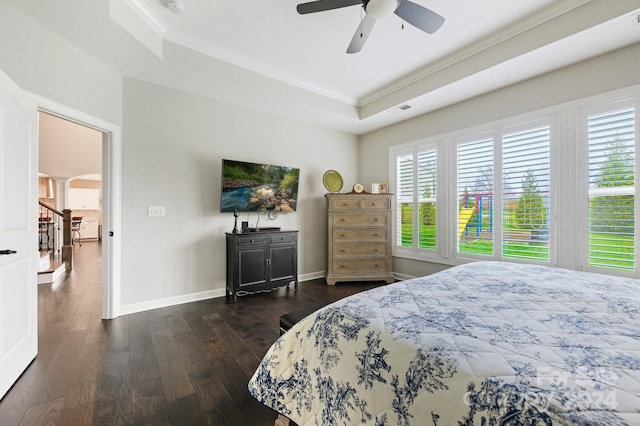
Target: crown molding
x: 147, y: 16
x: 214, y: 51
x: 261, y: 68
x: 556, y: 9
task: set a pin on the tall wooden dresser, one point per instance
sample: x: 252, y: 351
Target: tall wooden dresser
x: 359, y: 233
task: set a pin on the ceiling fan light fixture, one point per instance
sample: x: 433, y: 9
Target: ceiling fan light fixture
x: 379, y: 9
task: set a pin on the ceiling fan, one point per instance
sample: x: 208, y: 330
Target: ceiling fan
x: 418, y: 16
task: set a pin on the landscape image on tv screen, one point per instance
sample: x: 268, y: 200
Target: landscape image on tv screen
x: 253, y: 187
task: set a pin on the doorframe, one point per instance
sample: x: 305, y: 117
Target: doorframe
x: 111, y: 198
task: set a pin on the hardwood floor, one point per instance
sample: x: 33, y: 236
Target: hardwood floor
x: 182, y: 365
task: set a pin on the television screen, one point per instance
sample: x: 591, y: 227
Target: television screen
x: 252, y: 187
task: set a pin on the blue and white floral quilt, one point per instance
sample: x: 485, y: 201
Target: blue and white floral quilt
x: 487, y: 343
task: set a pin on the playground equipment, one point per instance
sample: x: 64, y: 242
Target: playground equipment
x: 481, y: 205
x: 465, y: 215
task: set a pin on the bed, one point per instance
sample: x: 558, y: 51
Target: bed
x: 486, y: 343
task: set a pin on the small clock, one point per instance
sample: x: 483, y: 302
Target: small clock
x: 358, y: 188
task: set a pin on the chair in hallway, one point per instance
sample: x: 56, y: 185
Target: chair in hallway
x: 75, y: 229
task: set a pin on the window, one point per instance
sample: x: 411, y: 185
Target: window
x: 523, y: 202
x: 427, y: 199
x: 404, y: 194
x: 611, y: 177
x: 525, y: 197
x: 475, y: 197
x: 416, y: 227
x: 556, y: 187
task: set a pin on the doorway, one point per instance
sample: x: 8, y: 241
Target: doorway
x: 110, y: 148
x: 69, y: 177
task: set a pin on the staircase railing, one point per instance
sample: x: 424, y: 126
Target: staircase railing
x: 52, y: 223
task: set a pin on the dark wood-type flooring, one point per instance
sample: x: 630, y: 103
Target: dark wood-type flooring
x: 182, y: 365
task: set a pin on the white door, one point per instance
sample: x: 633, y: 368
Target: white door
x: 18, y: 233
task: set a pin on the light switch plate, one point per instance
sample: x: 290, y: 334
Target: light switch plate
x: 155, y: 211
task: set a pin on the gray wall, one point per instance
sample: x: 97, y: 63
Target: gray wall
x: 173, y: 146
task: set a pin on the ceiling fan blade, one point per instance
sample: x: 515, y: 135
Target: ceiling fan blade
x: 361, y: 35
x: 419, y: 16
x: 322, y: 5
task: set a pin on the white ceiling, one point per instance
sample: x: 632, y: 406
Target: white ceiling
x: 309, y: 50
x: 263, y: 54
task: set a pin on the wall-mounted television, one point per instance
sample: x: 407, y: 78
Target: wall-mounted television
x: 254, y: 187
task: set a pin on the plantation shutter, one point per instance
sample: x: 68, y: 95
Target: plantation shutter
x: 405, y: 200
x: 611, y: 190
x: 475, y: 197
x: 525, y: 197
x: 427, y: 199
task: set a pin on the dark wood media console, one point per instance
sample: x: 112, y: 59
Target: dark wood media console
x: 260, y: 261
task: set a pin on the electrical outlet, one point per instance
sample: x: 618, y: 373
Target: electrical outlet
x: 155, y: 211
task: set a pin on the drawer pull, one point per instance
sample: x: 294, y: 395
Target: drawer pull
x: 342, y: 235
x: 342, y: 220
x: 375, y: 220
x: 342, y: 251
x: 376, y: 235
x: 253, y: 241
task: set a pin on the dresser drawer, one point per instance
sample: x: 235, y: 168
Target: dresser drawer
x: 363, y: 266
x: 282, y: 238
x: 367, y: 249
x: 344, y: 203
x: 252, y: 239
x: 350, y: 235
x: 363, y: 219
x: 376, y: 204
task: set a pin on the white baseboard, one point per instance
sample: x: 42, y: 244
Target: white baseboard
x: 195, y: 297
x: 171, y: 301
x: 320, y: 274
x: 311, y: 276
x: 402, y: 277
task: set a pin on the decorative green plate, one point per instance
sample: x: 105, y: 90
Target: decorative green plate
x: 332, y: 181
